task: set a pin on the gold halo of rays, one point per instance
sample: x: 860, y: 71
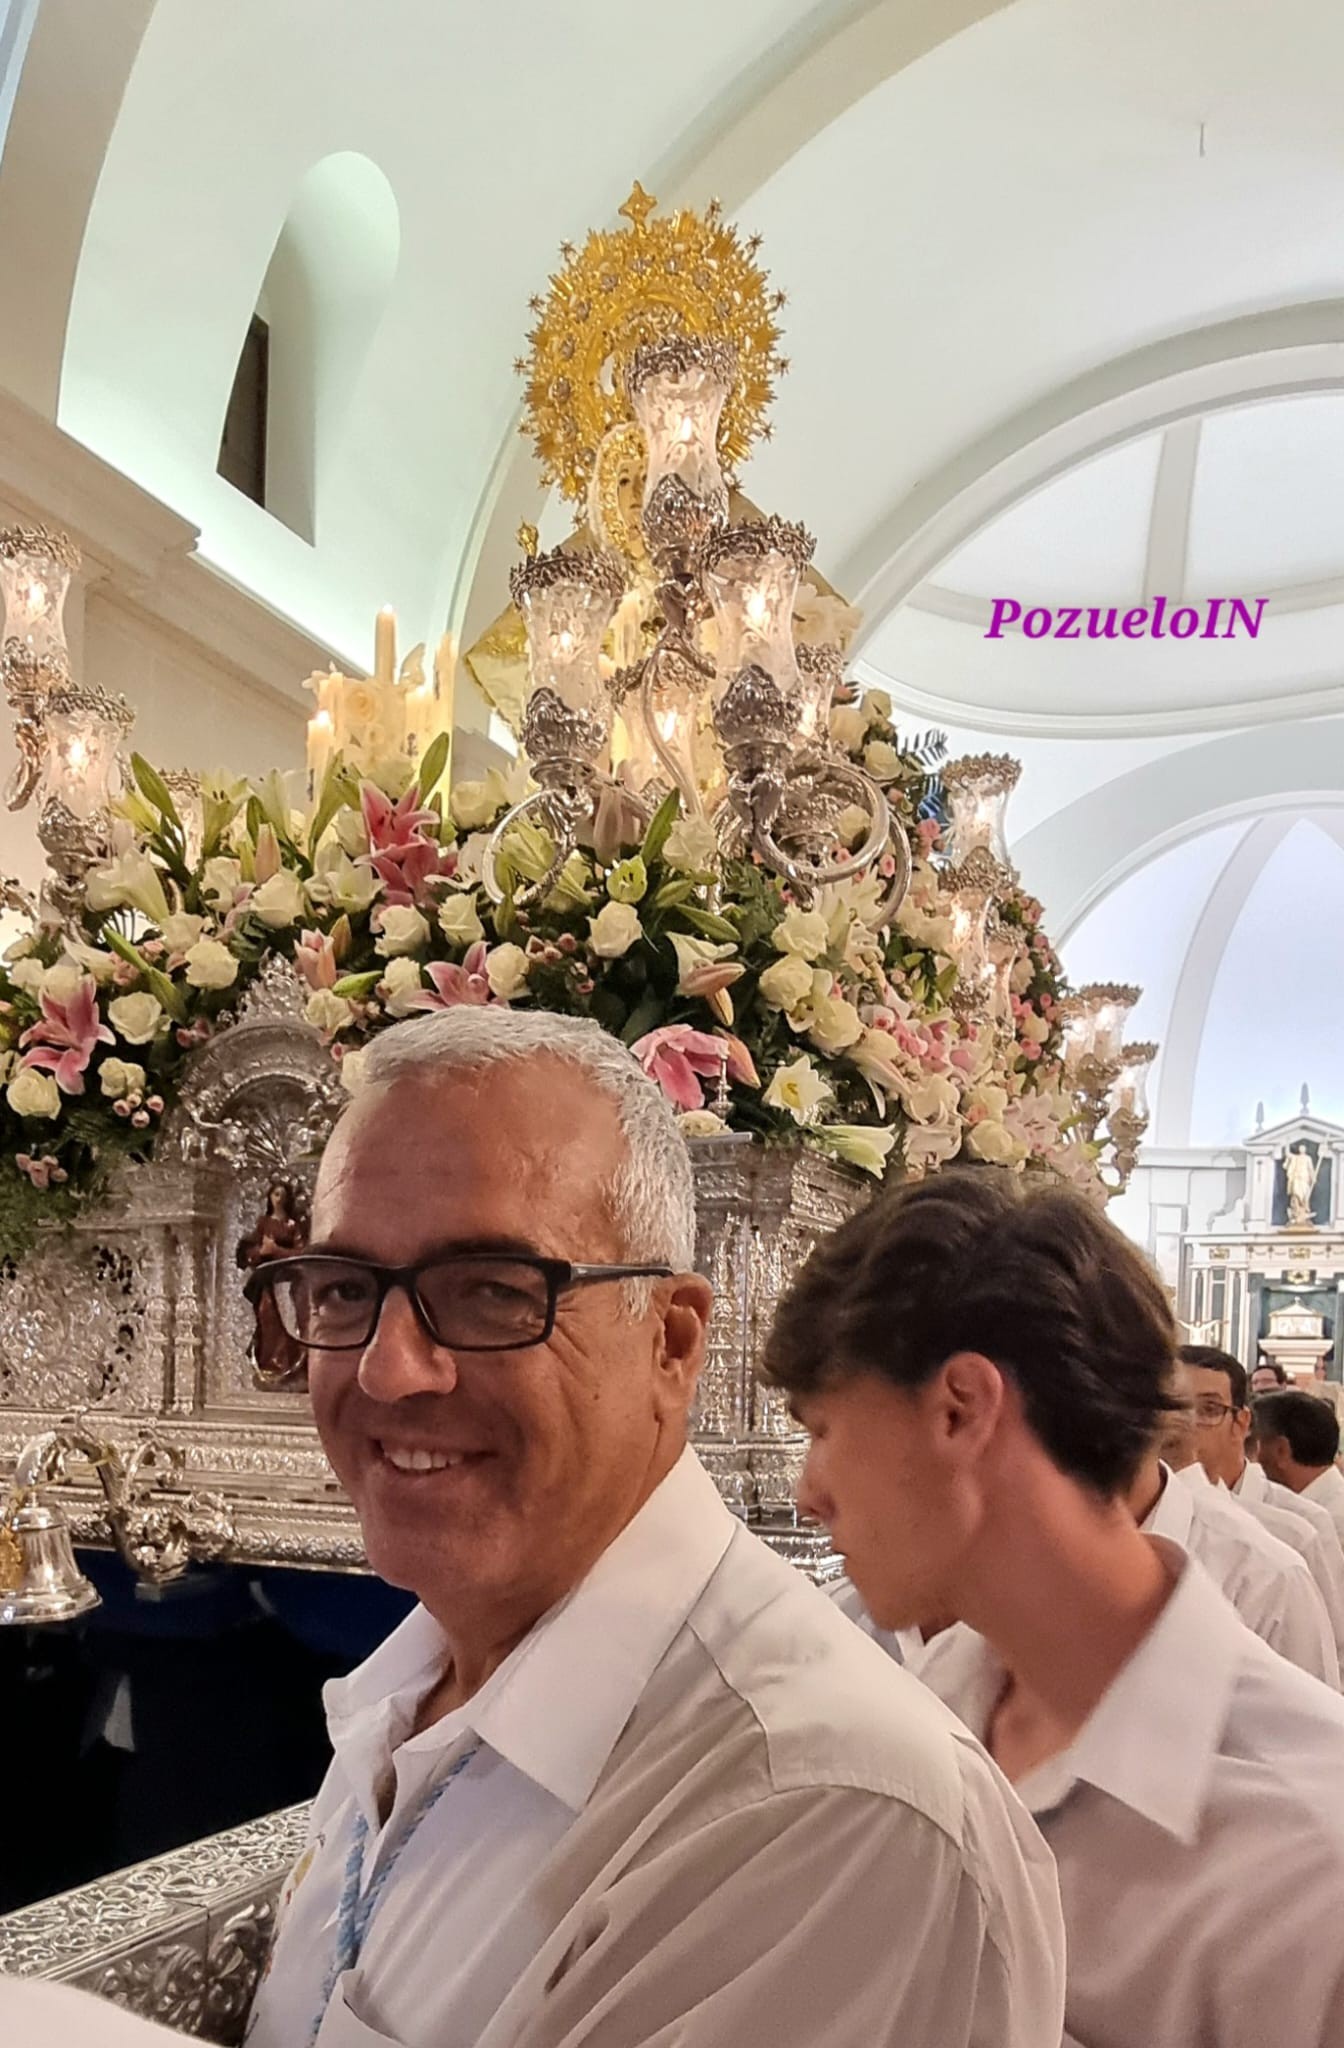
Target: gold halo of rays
x: 676, y: 273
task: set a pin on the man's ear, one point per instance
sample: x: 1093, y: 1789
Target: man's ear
x: 970, y: 1396
x: 685, y: 1304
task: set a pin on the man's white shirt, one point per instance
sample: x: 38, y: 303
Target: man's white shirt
x: 1307, y: 1528
x: 703, y: 1809
x: 1198, y: 1824
x: 1327, y: 1491
x: 1265, y: 1580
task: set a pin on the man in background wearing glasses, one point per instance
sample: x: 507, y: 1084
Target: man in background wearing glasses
x: 624, y: 1777
x: 1215, y: 1385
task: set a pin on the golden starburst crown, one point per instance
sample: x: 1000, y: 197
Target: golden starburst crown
x: 679, y: 273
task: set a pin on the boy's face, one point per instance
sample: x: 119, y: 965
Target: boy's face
x: 881, y: 1477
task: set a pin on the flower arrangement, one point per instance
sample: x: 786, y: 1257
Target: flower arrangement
x: 752, y: 1012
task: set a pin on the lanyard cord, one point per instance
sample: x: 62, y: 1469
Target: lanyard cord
x: 354, y: 1914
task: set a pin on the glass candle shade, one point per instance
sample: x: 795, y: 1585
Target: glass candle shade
x: 968, y: 899
x: 751, y: 579
x: 1094, y: 1021
x: 35, y: 570
x: 820, y: 669
x: 567, y: 602
x: 978, y: 787
x: 677, y: 389
x: 85, y: 730
x: 663, y: 716
x: 1129, y: 1092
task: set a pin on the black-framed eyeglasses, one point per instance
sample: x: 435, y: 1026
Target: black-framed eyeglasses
x: 1209, y: 1410
x: 465, y: 1301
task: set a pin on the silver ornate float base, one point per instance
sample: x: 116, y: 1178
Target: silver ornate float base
x: 181, y: 1939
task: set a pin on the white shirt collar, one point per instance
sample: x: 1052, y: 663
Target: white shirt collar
x: 1173, y: 1512
x: 556, y: 1706
x: 1326, y: 1486
x: 1152, y: 1740
x: 1252, y: 1485
x: 1193, y: 1474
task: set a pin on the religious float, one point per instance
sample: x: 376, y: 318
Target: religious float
x: 808, y: 930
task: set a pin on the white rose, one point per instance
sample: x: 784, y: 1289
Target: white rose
x: 21, y: 948
x: 700, y: 1123
x: 853, y: 824
x: 458, y: 920
x: 1020, y: 980
x: 989, y: 1097
x: 506, y: 969
x: 803, y: 932
x: 835, y: 1024
x: 878, y: 706
x: 33, y: 1094
x: 399, y: 984
x: 691, y: 846
x: 849, y: 727
x: 474, y: 804
x: 1033, y: 1027
x: 882, y: 761
x: 614, y: 930
x: 994, y: 1142
x: 211, y: 965
x: 328, y: 1012
x: 121, y: 1077
x: 279, y: 902
x: 402, y: 930
x: 181, y: 931
x: 787, y: 983
x: 60, y: 982
x: 135, y: 1018
x: 28, y: 974
x: 221, y: 879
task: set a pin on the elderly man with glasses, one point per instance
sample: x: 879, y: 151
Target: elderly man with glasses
x: 623, y: 1777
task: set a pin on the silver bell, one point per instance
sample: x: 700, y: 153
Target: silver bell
x: 39, y: 1579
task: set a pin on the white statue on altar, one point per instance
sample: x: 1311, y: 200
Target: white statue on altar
x: 1300, y: 1173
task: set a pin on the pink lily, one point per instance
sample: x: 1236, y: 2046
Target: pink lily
x: 674, y: 1056
x: 315, y: 959
x: 404, y: 851
x: 454, y: 984
x: 64, y: 1038
x: 405, y: 870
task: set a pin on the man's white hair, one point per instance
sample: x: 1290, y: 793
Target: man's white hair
x: 651, y: 1195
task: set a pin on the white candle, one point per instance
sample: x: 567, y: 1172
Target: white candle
x: 385, y: 646
x: 320, y: 737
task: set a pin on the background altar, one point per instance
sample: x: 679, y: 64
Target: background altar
x: 1238, y: 1261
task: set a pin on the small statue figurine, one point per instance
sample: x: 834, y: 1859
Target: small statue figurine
x: 281, y: 1228
x: 1300, y: 1172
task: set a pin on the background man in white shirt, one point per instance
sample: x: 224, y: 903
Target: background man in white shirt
x: 624, y: 1777
x: 983, y: 1368
x: 1297, y: 1437
x: 1267, y: 1582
